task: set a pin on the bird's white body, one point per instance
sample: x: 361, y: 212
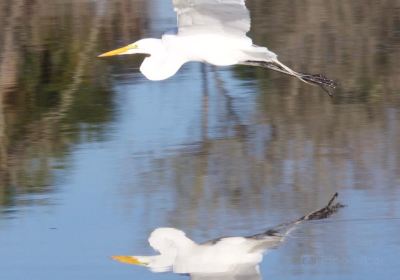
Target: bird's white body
x: 221, y: 52
x: 174, y: 50
x: 228, y: 255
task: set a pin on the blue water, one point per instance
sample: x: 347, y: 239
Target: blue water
x: 213, y: 153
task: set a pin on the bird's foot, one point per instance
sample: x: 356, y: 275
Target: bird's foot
x: 326, y: 84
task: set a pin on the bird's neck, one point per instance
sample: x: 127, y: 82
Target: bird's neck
x: 161, y: 65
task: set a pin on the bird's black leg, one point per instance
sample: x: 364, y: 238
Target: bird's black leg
x: 320, y: 80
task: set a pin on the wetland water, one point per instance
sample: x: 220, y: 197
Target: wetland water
x: 93, y: 156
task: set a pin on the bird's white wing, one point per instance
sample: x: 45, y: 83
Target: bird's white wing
x: 224, y: 17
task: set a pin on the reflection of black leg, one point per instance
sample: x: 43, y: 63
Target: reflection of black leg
x: 285, y: 228
x: 325, y: 212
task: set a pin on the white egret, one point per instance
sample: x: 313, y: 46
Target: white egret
x: 227, y: 255
x: 209, y: 31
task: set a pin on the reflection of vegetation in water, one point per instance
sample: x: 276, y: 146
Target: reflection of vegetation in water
x: 52, y: 87
x: 347, y: 40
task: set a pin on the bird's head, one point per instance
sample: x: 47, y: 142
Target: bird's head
x: 143, y: 46
x: 168, y: 242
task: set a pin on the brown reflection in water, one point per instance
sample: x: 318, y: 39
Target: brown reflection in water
x: 49, y: 76
x: 356, y: 42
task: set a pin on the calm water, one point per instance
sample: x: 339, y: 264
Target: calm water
x: 93, y: 157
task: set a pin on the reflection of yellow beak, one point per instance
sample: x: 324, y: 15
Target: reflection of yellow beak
x: 128, y: 260
x: 119, y: 51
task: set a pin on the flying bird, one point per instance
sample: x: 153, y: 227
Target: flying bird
x: 214, y: 32
x: 228, y: 255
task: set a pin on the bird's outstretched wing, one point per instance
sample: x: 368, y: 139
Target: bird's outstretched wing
x: 228, y: 17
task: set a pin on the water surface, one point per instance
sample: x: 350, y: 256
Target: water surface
x: 93, y: 156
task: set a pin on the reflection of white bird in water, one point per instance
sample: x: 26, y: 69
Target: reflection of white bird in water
x: 231, y: 256
x: 211, y: 31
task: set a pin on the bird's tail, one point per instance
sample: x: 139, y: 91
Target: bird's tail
x: 320, y: 80
x: 283, y: 230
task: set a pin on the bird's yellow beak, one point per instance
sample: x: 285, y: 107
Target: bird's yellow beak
x: 128, y: 260
x: 119, y: 51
